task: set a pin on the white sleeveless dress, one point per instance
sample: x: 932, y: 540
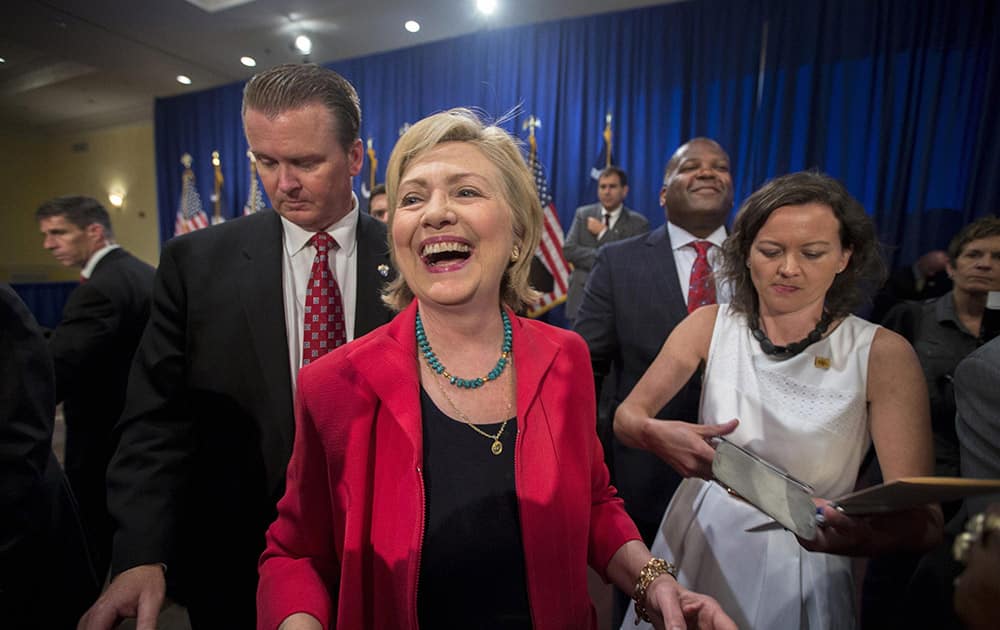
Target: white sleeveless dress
x: 807, y: 416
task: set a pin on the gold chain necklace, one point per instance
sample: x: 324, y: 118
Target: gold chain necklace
x: 497, y: 447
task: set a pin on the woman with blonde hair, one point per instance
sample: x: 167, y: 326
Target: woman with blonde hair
x: 446, y: 470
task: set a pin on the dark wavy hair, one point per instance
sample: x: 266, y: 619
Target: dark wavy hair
x: 865, y: 270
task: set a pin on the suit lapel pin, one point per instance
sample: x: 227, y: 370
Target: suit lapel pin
x: 383, y: 270
x: 822, y: 363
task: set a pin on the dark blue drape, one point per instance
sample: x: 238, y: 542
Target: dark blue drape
x: 46, y: 299
x: 897, y: 98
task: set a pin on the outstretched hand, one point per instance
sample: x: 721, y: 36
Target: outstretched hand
x: 686, y: 446
x: 673, y: 607
x: 137, y: 592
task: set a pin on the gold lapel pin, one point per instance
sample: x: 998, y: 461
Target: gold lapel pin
x: 822, y: 363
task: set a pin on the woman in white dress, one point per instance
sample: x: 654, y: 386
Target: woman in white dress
x: 790, y: 375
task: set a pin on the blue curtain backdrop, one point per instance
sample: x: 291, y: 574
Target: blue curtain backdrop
x: 897, y: 98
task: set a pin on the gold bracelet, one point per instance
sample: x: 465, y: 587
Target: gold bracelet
x: 653, y: 569
x: 977, y: 530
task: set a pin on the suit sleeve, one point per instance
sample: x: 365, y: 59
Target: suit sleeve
x: 88, y: 328
x: 27, y: 414
x: 610, y: 525
x: 156, y: 432
x: 299, y: 568
x: 977, y: 421
x: 595, y: 321
x: 574, y: 249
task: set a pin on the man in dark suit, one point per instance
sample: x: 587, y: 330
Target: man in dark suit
x: 207, y: 428
x: 637, y: 292
x: 46, y: 579
x: 595, y: 225
x: 92, y: 347
x: 634, y: 298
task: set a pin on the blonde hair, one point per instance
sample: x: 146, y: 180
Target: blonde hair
x: 516, y: 186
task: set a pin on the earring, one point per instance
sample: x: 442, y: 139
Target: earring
x: 515, y: 254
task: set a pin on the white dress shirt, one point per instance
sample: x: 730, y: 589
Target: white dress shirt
x: 613, y: 216
x: 296, y: 267
x: 685, y: 255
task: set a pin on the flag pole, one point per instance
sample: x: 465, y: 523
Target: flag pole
x: 217, y: 194
x: 607, y: 140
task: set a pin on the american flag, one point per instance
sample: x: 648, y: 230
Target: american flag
x: 550, y: 249
x: 255, y: 200
x: 190, y: 216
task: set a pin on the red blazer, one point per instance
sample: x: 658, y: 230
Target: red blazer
x: 346, y: 545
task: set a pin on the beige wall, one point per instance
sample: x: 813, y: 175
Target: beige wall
x: 34, y: 168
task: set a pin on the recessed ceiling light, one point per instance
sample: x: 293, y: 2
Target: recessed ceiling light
x: 2, y: 60
x: 184, y: 79
x: 303, y: 44
x: 412, y: 25
x: 249, y: 62
x: 486, y: 7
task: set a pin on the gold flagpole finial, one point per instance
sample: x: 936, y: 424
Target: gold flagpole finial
x: 186, y: 160
x: 373, y: 164
x: 607, y: 140
x: 217, y: 194
x: 531, y: 124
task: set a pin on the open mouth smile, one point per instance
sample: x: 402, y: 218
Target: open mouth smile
x: 445, y: 255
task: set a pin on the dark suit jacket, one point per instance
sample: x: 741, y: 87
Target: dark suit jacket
x: 631, y: 304
x: 580, y: 247
x: 92, y: 347
x: 46, y: 579
x: 207, y: 430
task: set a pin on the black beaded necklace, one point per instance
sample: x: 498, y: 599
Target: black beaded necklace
x: 792, y: 349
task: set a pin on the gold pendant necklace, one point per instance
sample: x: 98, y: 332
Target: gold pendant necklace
x: 497, y: 447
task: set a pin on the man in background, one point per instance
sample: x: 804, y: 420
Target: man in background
x: 378, y: 203
x: 595, y: 225
x: 92, y: 348
x: 207, y: 431
x: 638, y: 290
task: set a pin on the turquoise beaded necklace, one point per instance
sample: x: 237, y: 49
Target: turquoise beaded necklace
x: 466, y: 383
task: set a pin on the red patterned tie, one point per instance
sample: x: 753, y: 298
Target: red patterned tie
x: 324, y: 327
x: 701, y: 288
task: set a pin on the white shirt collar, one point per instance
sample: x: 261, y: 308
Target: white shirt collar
x: 96, y: 258
x: 679, y: 237
x: 343, y: 231
x: 614, y: 212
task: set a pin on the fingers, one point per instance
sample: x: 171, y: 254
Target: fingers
x: 150, y: 603
x: 668, y: 602
x: 716, y: 430
x: 99, y: 617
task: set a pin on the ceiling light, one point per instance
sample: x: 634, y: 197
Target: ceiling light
x: 249, y: 62
x: 486, y: 7
x: 412, y: 25
x: 303, y: 44
x: 183, y: 79
x: 2, y: 60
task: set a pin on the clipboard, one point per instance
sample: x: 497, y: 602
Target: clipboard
x: 768, y: 488
x: 789, y: 501
x: 910, y: 492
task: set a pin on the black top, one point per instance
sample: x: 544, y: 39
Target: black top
x: 472, y: 559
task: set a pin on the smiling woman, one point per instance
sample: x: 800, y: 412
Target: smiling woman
x: 460, y: 456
